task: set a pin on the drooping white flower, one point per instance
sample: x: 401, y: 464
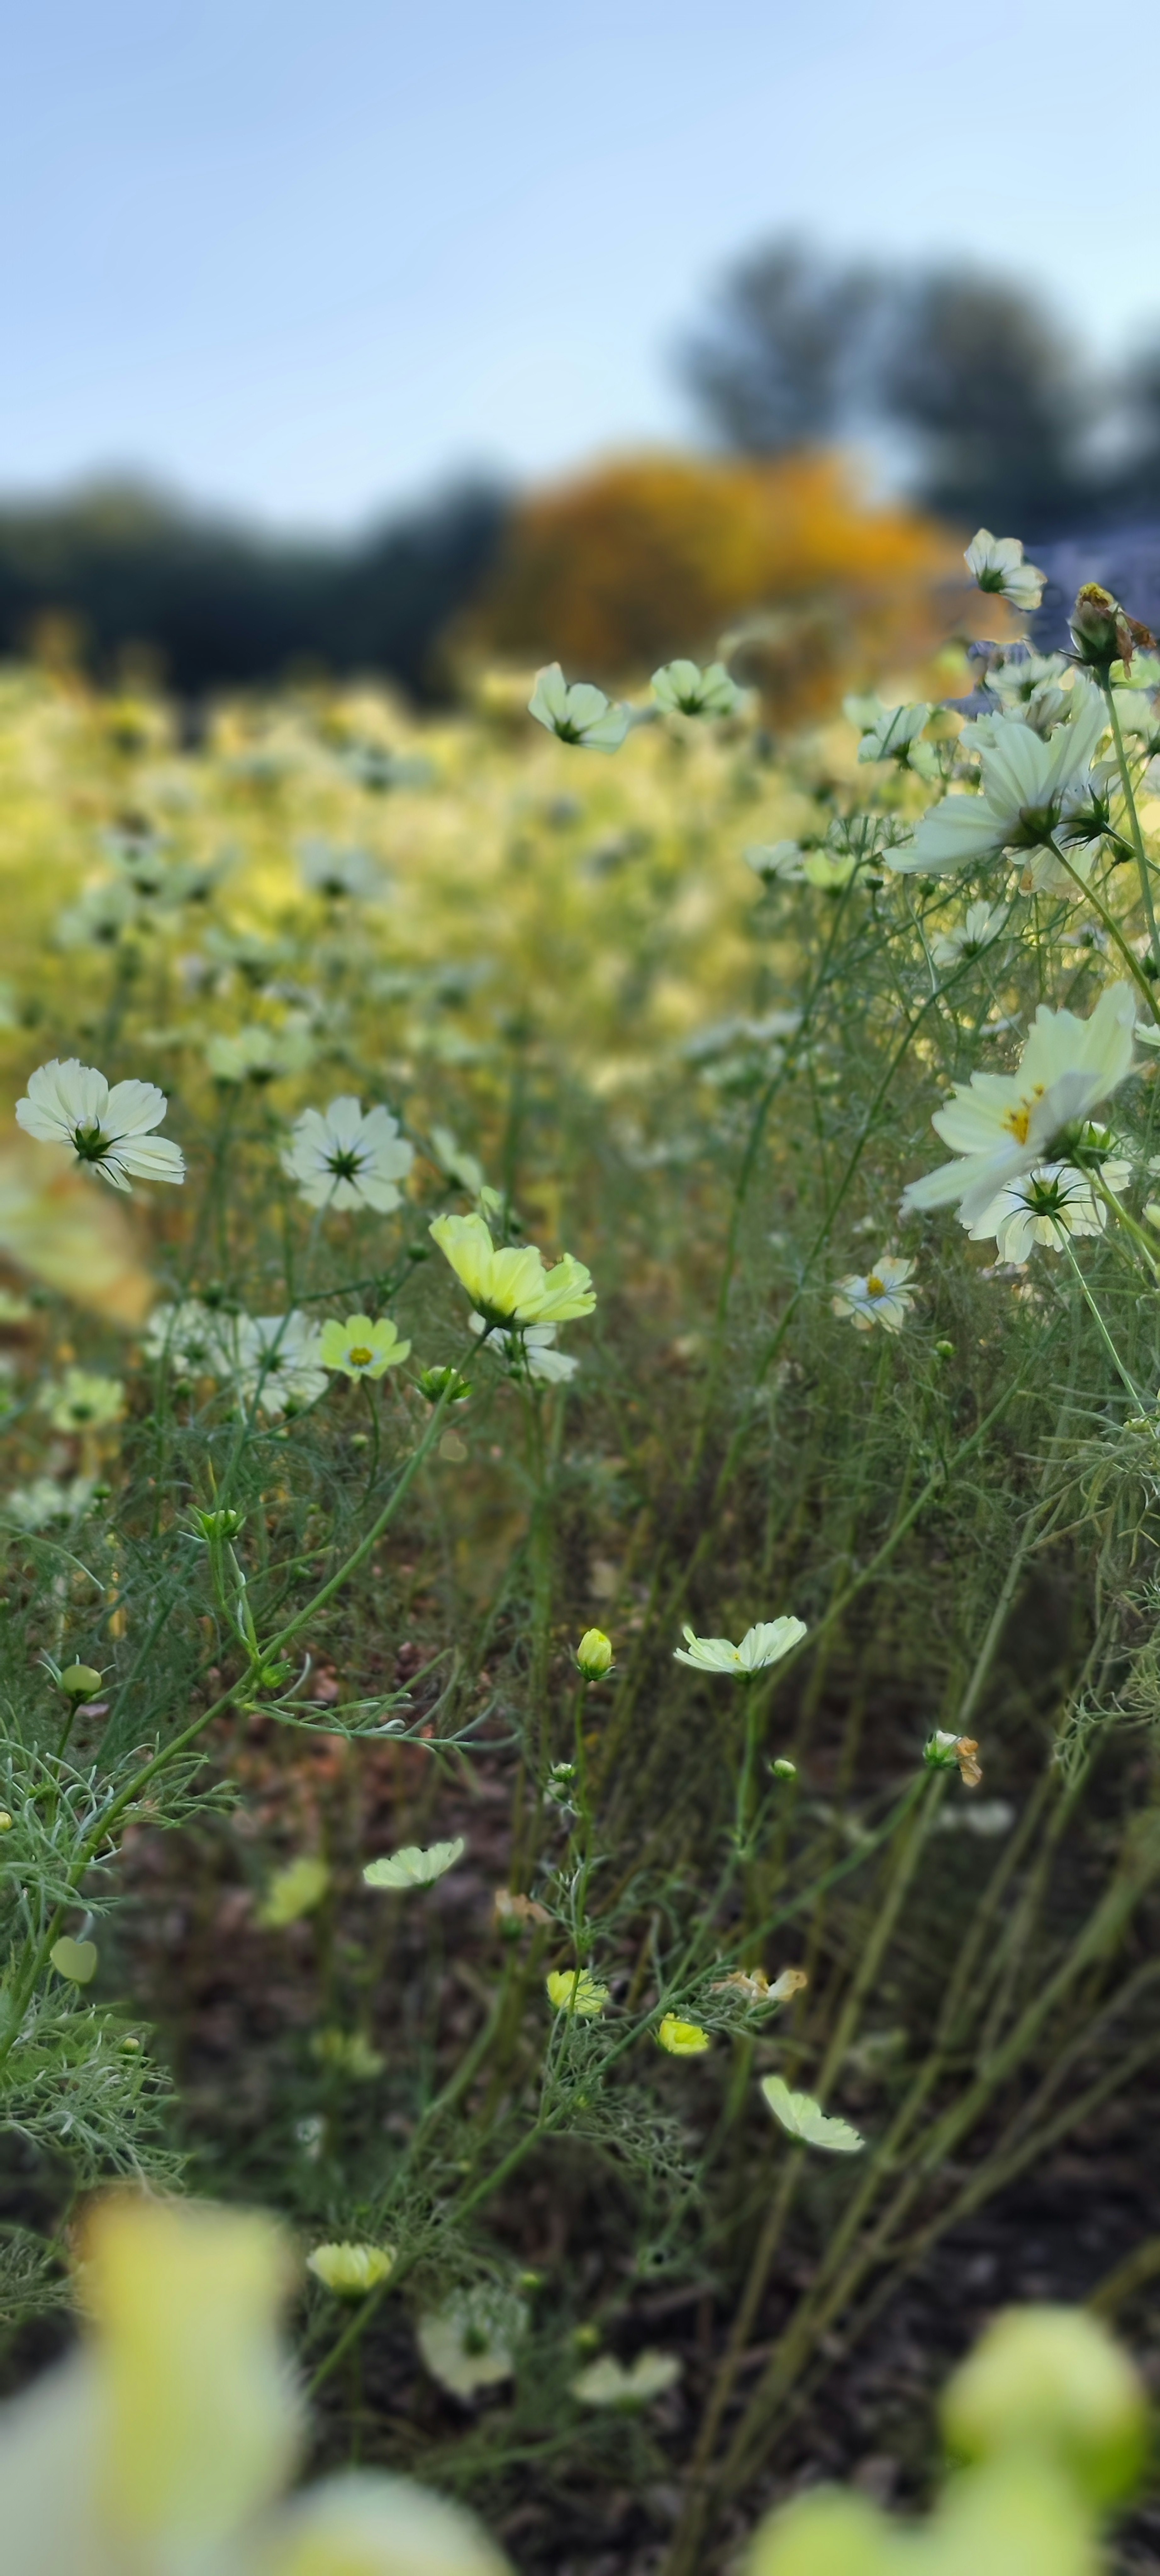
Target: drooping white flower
x: 343, y: 1159
x: 71, y: 1104
x: 982, y: 924
x: 580, y: 713
x: 1002, y: 1125
x: 997, y: 564
x: 761, y: 1646
x: 1044, y: 1206
x: 1029, y: 787
x: 895, y: 735
x: 683, y: 688
x: 543, y: 1360
x: 882, y: 1297
x: 277, y: 1362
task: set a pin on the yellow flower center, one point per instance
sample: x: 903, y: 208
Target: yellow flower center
x: 875, y: 1287
x: 1017, y: 1121
x: 360, y: 1357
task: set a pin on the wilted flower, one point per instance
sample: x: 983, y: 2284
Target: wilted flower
x: 351, y: 2270
x: 682, y: 2038
x: 1029, y: 789
x: 71, y: 1104
x: 1102, y: 632
x: 84, y: 1401
x: 759, y: 1648
x: 882, y: 1297
x: 1002, y: 1126
x: 982, y: 924
x: 293, y: 1892
x: 575, y: 1990
x: 512, y: 1286
x: 341, y: 1159
x: 943, y: 1752
x: 756, y: 1988
x: 594, y: 1655
x: 997, y: 564
x: 683, y: 688
x: 360, y: 1348
x: 470, y: 2342
x: 580, y: 714
x: 607, y: 2382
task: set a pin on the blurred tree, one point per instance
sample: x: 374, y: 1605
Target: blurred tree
x: 781, y: 361
x: 996, y: 397
x: 800, y: 349
x: 219, y: 606
x: 654, y: 555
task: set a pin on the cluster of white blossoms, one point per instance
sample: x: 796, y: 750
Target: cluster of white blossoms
x: 1014, y: 1135
x: 579, y: 713
x: 343, y: 1157
x: 109, y: 1130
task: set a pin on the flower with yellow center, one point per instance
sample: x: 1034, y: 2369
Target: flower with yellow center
x: 683, y: 2038
x: 512, y: 1286
x: 1001, y: 1126
x: 359, y: 1348
x: 882, y: 1297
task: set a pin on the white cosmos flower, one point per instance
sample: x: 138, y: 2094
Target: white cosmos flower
x: 894, y: 735
x: 276, y: 1361
x: 71, y: 1104
x: 543, y: 1360
x: 761, y: 1646
x: 980, y: 927
x: 188, y: 1336
x: 1029, y: 788
x: 47, y: 1500
x: 580, y: 713
x: 683, y: 688
x: 341, y: 1159
x: 338, y: 873
x: 1003, y: 1125
x: 1054, y: 1200
x: 882, y: 1297
x: 997, y: 564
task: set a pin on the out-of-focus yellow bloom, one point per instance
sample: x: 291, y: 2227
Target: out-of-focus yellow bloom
x: 579, y: 1993
x: 351, y: 2270
x: 512, y: 1285
x: 683, y: 2038
x: 163, y: 2445
x: 293, y: 1892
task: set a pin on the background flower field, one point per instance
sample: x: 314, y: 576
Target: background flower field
x: 626, y: 2036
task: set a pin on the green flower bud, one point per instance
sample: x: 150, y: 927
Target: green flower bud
x: 434, y: 1382
x: 219, y: 1525
x: 783, y: 1769
x: 594, y: 1655
x: 80, y: 1681
x: 1050, y: 2380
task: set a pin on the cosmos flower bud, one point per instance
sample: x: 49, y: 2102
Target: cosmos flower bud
x: 80, y: 1681
x: 349, y: 2271
x: 783, y: 1768
x: 436, y: 1382
x: 215, y: 1526
x: 594, y: 1655
x: 1102, y: 632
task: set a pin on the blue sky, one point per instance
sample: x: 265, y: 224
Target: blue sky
x: 308, y: 261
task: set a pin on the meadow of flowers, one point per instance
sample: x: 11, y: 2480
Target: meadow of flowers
x: 582, y: 1435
